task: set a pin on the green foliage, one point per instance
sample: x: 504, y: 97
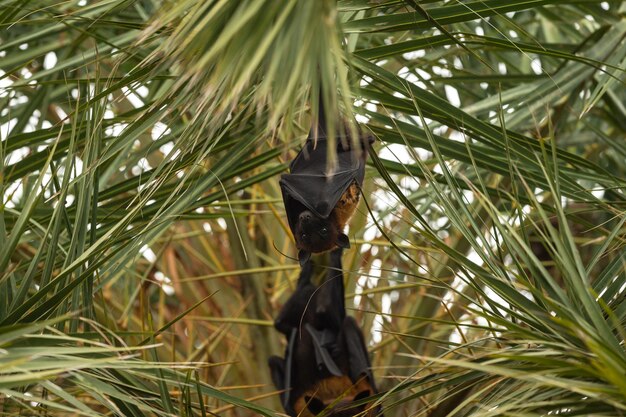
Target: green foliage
x: 143, y: 245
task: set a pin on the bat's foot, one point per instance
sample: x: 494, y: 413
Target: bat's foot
x: 368, y: 138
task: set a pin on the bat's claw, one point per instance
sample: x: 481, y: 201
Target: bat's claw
x: 303, y: 257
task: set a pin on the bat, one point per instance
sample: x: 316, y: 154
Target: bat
x: 326, y: 364
x: 320, y: 203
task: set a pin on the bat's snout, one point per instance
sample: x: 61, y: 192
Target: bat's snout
x: 313, y: 233
x: 305, y: 216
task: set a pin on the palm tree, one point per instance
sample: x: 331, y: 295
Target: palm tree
x: 143, y: 243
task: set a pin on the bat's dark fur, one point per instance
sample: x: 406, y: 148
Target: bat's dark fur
x: 314, y: 234
x: 320, y: 197
x: 326, y: 365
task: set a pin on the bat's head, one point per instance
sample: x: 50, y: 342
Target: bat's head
x: 344, y: 408
x: 314, y: 234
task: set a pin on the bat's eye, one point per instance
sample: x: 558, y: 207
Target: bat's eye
x: 303, y: 236
x: 324, y: 231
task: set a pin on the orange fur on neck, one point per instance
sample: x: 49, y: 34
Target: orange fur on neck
x: 332, y: 390
x: 346, y: 206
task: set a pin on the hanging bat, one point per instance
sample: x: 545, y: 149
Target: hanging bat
x: 326, y: 365
x: 320, y: 203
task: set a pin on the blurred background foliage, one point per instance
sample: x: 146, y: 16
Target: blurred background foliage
x: 143, y: 243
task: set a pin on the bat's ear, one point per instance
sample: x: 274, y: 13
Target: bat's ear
x: 315, y: 405
x: 303, y: 257
x: 343, y: 241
